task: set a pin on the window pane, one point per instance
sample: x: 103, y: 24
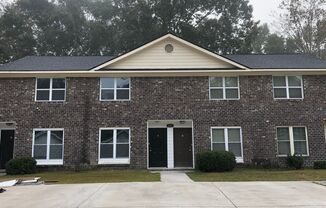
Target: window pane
x: 107, y: 136
x: 218, y: 135
x: 300, y: 148
x: 122, y: 94
x: 58, y: 95
x: 122, y: 151
x: 280, y: 93
x: 279, y: 81
x: 218, y: 146
x: 231, y: 81
x: 234, y: 135
x: 59, y: 83
x: 216, y: 94
x: 299, y: 133
x: 107, y: 95
x: 232, y: 94
x: 107, y: 82
x: 283, y: 134
x: 216, y: 81
x: 56, y: 137
x: 294, y: 81
x: 122, y: 82
x: 43, y: 83
x: 123, y: 136
x: 284, y: 148
x: 106, y: 151
x: 40, y: 137
x: 55, y: 151
x: 236, y: 149
x: 39, y: 152
x: 295, y: 93
x: 43, y: 95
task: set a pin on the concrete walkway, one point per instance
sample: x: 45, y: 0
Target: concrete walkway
x: 168, y: 194
x: 174, y: 177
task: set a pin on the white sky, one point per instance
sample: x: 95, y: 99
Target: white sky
x: 265, y: 10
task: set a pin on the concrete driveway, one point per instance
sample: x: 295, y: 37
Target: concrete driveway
x: 169, y: 193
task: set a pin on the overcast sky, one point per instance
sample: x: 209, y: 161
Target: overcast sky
x: 265, y: 10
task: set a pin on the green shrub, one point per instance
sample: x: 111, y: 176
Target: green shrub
x: 21, y: 165
x: 218, y: 161
x: 295, y: 161
x: 320, y: 164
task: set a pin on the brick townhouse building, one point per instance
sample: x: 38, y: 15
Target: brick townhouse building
x: 159, y: 105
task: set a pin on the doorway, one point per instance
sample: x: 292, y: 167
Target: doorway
x: 6, y: 146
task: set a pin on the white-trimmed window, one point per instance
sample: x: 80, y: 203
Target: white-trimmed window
x: 292, y: 140
x: 50, y: 89
x: 115, y: 89
x: 224, y: 88
x: 287, y: 87
x: 228, y: 139
x: 114, y: 146
x: 48, y: 146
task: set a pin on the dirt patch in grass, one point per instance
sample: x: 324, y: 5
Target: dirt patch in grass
x: 92, y: 176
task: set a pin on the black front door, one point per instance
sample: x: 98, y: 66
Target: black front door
x: 182, y: 144
x: 6, y: 146
x: 158, y: 157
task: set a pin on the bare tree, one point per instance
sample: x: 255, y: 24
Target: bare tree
x: 304, y: 21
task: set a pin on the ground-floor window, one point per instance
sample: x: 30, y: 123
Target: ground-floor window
x: 48, y: 146
x: 292, y: 140
x: 228, y: 139
x: 114, y: 146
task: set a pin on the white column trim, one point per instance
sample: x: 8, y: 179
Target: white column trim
x: 170, y: 147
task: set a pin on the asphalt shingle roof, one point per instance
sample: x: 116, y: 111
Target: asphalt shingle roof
x: 281, y: 61
x: 85, y: 63
x: 55, y: 63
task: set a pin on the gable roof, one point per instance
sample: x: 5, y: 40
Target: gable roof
x: 55, y: 63
x: 183, y: 43
x: 279, y: 61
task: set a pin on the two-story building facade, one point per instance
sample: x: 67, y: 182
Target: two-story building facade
x: 160, y: 104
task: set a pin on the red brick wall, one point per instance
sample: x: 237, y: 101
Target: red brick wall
x: 82, y: 114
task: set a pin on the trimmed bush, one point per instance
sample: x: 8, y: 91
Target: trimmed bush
x: 295, y: 161
x: 215, y: 161
x: 320, y: 164
x: 21, y: 165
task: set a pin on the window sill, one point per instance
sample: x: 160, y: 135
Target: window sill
x: 283, y: 156
x: 115, y: 100
x: 239, y: 160
x: 288, y: 99
x: 224, y: 99
x: 114, y: 161
x: 49, y: 162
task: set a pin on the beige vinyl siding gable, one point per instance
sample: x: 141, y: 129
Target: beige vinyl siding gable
x: 182, y: 57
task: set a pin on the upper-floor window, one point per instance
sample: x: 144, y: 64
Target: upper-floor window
x: 115, y: 89
x: 48, y: 146
x: 224, y: 88
x: 292, y: 140
x: 287, y: 87
x: 114, y: 145
x: 228, y: 139
x: 50, y: 89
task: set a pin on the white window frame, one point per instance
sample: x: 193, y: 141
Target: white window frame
x: 113, y: 160
x: 224, y: 88
x: 226, y: 139
x: 287, y: 88
x: 292, y: 140
x: 115, y: 89
x: 49, y: 161
x: 50, y: 89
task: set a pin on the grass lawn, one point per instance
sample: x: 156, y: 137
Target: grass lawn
x: 92, y: 176
x: 261, y: 175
